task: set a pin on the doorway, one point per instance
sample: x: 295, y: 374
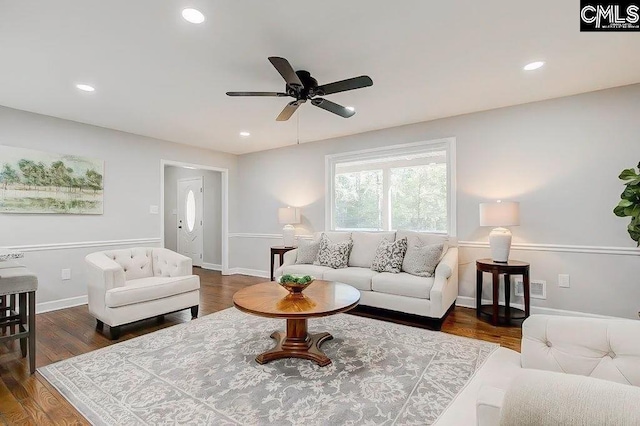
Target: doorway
x: 190, y: 218
x: 194, y: 213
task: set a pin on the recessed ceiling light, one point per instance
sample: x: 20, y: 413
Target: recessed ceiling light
x: 194, y: 16
x: 86, y: 88
x: 533, y: 66
x: 245, y: 134
x: 350, y: 108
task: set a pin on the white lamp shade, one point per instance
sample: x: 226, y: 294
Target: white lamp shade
x: 502, y: 213
x: 288, y: 215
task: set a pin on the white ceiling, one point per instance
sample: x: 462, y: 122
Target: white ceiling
x: 157, y: 75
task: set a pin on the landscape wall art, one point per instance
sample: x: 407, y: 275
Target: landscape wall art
x: 41, y: 182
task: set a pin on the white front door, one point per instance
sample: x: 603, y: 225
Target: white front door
x: 190, y: 226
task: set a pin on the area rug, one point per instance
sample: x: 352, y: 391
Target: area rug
x: 203, y: 372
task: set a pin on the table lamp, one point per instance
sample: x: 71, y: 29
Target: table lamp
x: 500, y: 214
x: 287, y: 216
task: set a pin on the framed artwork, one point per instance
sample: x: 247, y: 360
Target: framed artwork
x: 42, y: 182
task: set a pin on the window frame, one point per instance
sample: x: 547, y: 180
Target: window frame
x: 445, y: 144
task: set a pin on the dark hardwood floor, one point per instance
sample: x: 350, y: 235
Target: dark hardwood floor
x: 26, y: 399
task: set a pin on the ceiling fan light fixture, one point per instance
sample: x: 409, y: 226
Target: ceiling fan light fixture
x: 534, y: 65
x: 85, y: 87
x: 193, y: 15
x: 245, y: 134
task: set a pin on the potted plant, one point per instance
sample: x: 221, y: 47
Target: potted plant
x: 630, y: 203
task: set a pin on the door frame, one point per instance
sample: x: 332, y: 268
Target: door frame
x: 201, y: 179
x: 225, y: 205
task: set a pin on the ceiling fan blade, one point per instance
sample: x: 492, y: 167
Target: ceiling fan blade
x: 286, y: 71
x: 344, y: 85
x: 332, y: 107
x: 288, y: 111
x: 277, y: 94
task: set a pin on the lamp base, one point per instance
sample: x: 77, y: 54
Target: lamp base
x: 289, y: 235
x: 500, y: 242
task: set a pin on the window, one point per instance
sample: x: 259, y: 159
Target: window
x: 191, y: 210
x: 398, y: 187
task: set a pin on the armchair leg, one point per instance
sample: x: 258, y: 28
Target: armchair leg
x: 194, y: 312
x: 99, y: 325
x: 114, y: 332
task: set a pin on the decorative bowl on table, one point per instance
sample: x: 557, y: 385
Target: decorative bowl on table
x: 295, y: 283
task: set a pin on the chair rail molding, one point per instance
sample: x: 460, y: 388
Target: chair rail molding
x: 566, y: 248
x: 85, y: 244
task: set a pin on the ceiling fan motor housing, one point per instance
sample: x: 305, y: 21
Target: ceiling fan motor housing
x: 308, y: 90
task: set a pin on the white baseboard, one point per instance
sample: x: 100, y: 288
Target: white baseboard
x: 251, y: 272
x: 211, y: 266
x: 60, y: 304
x: 470, y: 302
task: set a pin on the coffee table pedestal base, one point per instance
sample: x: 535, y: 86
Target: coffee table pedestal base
x: 296, y: 342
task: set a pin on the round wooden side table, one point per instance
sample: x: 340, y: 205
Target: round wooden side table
x: 496, y: 311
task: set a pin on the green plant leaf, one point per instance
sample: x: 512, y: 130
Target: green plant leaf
x: 625, y: 203
x: 619, y: 211
x: 628, y: 174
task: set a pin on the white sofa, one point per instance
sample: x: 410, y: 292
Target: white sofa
x: 430, y: 297
x: 138, y: 283
x: 606, y: 349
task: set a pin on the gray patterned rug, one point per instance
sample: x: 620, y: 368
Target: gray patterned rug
x: 203, y: 372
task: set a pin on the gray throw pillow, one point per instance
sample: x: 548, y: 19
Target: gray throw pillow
x: 307, y: 252
x: 389, y: 256
x: 422, y: 260
x: 333, y: 255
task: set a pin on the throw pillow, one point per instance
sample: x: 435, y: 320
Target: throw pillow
x: 333, y: 255
x: 389, y: 256
x: 307, y: 252
x: 422, y: 260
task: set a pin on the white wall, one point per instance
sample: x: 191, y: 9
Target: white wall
x: 560, y: 158
x: 131, y: 185
x: 212, y: 210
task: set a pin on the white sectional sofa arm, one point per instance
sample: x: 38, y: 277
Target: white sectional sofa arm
x: 574, y: 400
x: 290, y: 257
x: 168, y: 263
x: 103, y: 272
x: 445, y: 288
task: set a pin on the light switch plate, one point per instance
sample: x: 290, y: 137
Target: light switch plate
x: 65, y: 274
x: 153, y: 209
x: 564, y: 280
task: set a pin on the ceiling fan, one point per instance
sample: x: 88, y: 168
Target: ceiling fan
x: 301, y: 86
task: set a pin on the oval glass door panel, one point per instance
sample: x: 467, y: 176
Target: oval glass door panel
x: 191, y: 210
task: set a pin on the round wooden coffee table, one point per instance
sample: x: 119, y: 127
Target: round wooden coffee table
x: 320, y: 299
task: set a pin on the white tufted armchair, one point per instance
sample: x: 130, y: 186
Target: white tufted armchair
x: 134, y: 284
x: 561, y: 359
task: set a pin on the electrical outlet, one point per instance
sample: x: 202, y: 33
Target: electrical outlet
x: 537, y: 288
x: 66, y: 274
x: 564, y: 280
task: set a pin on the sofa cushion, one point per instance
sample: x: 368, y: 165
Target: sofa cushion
x: 402, y: 284
x: 151, y: 288
x: 359, y: 278
x: 333, y: 255
x: 316, y: 271
x: 136, y: 262
x: 422, y: 238
x: 364, y: 247
x: 389, y: 256
x: 422, y: 260
x: 334, y: 236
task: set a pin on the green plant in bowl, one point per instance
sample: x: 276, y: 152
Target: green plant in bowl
x: 295, y: 283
